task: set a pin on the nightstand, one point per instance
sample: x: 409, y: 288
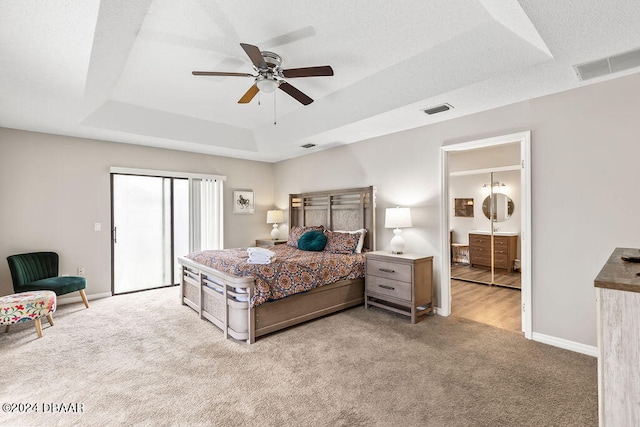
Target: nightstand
x: 269, y: 242
x: 399, y: 283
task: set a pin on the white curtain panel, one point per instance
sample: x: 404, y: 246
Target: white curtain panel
x: 205, y: 214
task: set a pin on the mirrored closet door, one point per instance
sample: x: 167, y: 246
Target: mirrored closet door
x: 485, y: 229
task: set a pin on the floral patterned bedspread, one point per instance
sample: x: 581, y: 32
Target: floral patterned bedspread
x: 292, y: 272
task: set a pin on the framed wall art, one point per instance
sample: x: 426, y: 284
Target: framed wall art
x: 243, y: 202
x: 463, y: 207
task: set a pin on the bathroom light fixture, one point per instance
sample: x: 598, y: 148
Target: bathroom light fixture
x: 397, y: 218
x: 498, y: 187
x: 274, y: 217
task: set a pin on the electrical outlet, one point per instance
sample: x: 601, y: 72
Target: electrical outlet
x: 80, y: 271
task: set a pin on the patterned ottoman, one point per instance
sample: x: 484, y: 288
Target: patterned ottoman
x: 16, y: 308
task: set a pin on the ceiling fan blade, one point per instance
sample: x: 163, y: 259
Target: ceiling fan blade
x: 248, y: 96
x: 301, y: 97
x: 219, y: 73
x: 325, y: 70
x: 290, y: 37
x: 255, y: 55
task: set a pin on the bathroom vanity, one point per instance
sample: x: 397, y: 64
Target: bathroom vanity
x: 505, y: 248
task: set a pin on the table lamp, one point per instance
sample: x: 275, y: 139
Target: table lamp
x: 274, y: 217
x: 397, y: 218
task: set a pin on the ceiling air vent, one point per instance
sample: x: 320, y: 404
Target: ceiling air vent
x: 308, y: 145
x: 438, y: 109
x: 609, y: 65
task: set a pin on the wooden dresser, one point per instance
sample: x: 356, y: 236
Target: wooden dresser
x: 618, y: 295
x: 399, y: 283
x: 504, y: 248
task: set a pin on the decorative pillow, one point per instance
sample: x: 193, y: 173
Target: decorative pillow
x: 297, y: 231
x: 360, y: 241
x: 314, y: 240
x: 341, y: 243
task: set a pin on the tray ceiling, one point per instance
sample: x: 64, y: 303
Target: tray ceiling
x: 121, y: 71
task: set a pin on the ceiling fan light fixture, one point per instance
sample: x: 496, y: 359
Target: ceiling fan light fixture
x: 266, y: 84
x: 271, y: 76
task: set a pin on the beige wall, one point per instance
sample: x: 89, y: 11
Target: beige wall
x: 585, y: 167
x: 54, y: 188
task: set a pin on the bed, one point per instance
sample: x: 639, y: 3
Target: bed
x: 223, y: 289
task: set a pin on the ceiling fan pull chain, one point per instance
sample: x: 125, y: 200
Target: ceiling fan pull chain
x: 274, y: 108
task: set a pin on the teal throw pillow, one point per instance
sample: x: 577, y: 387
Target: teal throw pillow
x: 312, y: 241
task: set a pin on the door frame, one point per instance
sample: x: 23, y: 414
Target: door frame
x: 524, y: 139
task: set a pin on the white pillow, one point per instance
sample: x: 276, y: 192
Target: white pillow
x: 363, y: 232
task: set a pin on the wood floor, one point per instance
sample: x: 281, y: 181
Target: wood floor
x: 483, y: 275
x: 492, y: 305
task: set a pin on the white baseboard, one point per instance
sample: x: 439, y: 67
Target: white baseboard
x: 589, y: 350
x: 77, y: 298
x: 554, y: 341
x: 440, y: 312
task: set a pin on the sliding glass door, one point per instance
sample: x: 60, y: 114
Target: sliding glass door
x: 150, y: 218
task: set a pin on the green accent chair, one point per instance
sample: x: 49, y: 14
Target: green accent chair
x: 37, y: 271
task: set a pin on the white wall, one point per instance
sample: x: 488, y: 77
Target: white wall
x: 54, y: 188
x: 584, y: 170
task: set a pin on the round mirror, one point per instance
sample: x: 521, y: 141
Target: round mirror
x: 501, y: 206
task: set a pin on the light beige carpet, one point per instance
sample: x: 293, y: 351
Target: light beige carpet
x: 144, y: 359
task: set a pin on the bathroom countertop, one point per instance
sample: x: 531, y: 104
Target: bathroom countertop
x: 618, y: 274
x: 495, y: 233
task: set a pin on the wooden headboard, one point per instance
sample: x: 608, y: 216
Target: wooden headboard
x: 348, y: 209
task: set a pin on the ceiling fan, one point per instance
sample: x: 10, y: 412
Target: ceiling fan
x: 270, y: 75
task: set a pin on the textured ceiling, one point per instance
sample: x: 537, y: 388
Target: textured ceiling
x: 121, y: 70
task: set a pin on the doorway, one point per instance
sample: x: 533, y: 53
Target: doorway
x: 150, y: 224
x: 489, y: 243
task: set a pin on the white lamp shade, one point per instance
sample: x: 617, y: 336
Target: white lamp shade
x: 275, y: 217
x: 397, y: 218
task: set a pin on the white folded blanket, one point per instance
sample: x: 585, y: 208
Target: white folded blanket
x: 260, y: 260
x: 260, y: 256
x: 260, y: 251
